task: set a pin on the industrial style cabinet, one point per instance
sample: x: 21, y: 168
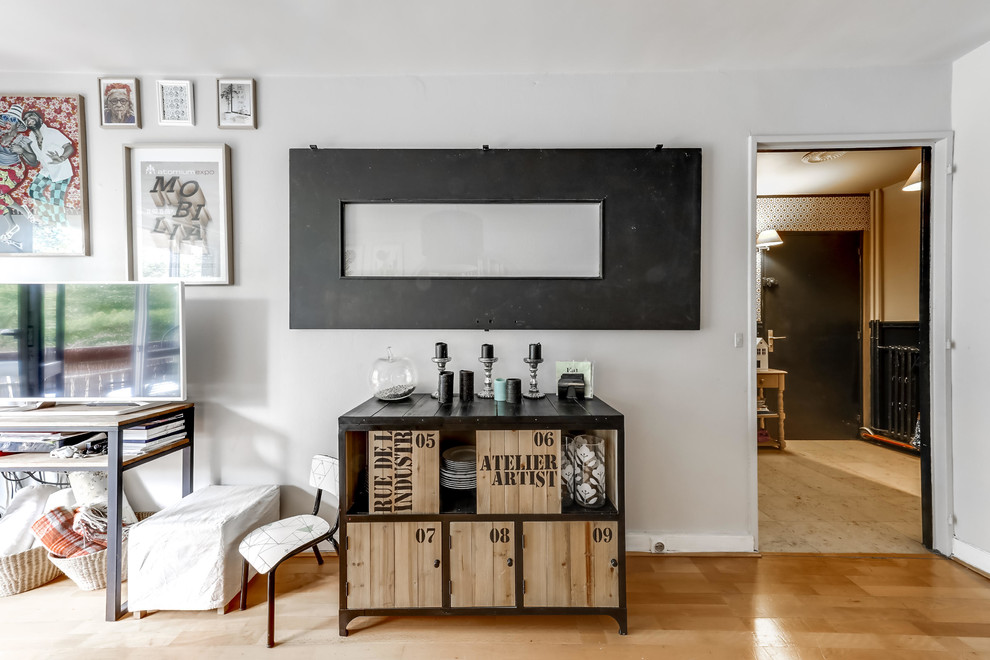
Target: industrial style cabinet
x: 469, y: 508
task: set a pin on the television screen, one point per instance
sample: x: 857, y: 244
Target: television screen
x: 91, y: 342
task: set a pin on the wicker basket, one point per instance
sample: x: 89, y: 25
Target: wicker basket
x: 89, y: 572
x: 26, y: 570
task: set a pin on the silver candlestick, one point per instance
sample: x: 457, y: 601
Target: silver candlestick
x: 487, y: 392
x: 534, y: 388
x: 441, y: 367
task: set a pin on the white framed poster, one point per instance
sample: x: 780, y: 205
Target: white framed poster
x: 178, y: 211
x: 175, y: 103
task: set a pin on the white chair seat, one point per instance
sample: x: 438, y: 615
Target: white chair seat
x: 266, y: 546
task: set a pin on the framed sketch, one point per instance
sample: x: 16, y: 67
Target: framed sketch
x: 119, y: 103
x: 175, y: 103
x: 43, y: 206
x: 178, y: 213
x: 236, y: 103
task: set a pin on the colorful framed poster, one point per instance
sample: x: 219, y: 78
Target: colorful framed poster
x: 120, y: 105
x: 175, y: 103
x: 236, y: 103
x: 178, y: 213
x: 43, y: 210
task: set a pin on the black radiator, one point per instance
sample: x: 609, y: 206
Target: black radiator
x: 894, y: 379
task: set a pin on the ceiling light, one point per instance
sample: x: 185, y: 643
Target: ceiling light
x: 822, y: 156
x: 767, y: 239
x: 914, y: 181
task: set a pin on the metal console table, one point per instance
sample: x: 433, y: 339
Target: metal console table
x: 71, y: 417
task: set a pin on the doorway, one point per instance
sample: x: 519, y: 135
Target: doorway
x: 812, y: 298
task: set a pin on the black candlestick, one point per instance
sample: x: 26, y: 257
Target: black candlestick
x: 487, y: 351
x: 535, y: 352
x: 441, y: 350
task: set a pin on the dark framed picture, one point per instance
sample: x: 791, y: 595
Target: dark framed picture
x: 120, y: 104
x: 175, y: 103
x: 43, y: 206
x: 236, y: 103
x: 178, y: 213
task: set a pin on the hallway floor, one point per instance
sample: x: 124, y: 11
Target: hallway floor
x: 841, y: 496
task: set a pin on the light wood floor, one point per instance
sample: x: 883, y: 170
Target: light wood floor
x: 839, y: 496
x: 767, y: 608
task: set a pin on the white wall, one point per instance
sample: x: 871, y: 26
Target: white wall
x: 267, y: 397
x: 970, y: 307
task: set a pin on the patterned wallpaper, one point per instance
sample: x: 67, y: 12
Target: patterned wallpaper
x: 813, y: 213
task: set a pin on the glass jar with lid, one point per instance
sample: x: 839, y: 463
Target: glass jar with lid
x: 392, y: 378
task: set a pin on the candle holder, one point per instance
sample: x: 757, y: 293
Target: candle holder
x: 486, y: 391
x: 534, y: 389
x: 441, y: 367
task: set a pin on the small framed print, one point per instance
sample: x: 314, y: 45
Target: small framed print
x: 119, y: 103
x: 178, y: 212
x: 236, y: 103
x: 175, y: 103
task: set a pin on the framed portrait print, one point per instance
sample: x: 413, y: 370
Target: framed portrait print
x: 178, y: 213
x: 119, y: 103
x: 236, y: 103
x: 175, y: 103
x: 43, y: 206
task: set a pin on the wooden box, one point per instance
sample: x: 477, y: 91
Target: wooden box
x: 403, y: 471
x: 518, y: 471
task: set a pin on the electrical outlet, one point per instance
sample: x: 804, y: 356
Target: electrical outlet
x: 658, y: 547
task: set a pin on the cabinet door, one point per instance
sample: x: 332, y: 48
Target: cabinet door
x: 394, y: 564
x: 404, y: 471
x: 570, y: 564
x: 482, y: 566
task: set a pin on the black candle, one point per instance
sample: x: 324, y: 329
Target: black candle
x: 467, y: 385
x: 487, y: 351
x: 445, y: 390
x: 513, y: 390
x: 441, y: 350
x: 535, y: 352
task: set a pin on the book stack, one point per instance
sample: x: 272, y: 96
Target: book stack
x: 142, y: 439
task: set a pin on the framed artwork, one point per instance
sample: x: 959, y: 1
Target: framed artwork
x: 120, y: 105
x: 43, y: 207
x: 178, y: 213
x: 175, y: 103
x: 236, y: 103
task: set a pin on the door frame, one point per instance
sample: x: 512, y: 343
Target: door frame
x: 939, y: 197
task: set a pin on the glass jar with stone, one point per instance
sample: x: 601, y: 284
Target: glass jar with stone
x: 392, y: 378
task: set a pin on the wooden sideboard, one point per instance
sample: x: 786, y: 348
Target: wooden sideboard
x: 514, y: 544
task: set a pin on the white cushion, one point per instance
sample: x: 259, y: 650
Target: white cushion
x: 268, y: 545
x: 27, y: 505
x: 91, y: 488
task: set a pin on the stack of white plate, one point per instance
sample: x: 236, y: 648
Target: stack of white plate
x: 457, y: 468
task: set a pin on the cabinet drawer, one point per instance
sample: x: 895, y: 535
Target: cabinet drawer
x: 394, y: 564
x: 571, y: 564
x: 482, y: 564
x: 768, y: 380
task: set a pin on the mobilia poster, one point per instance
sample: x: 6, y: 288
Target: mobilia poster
x: 180, y: 214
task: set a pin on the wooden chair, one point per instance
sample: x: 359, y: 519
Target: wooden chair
x: 269, y: 545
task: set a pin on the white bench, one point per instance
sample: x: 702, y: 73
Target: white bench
x: 185, y: 556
